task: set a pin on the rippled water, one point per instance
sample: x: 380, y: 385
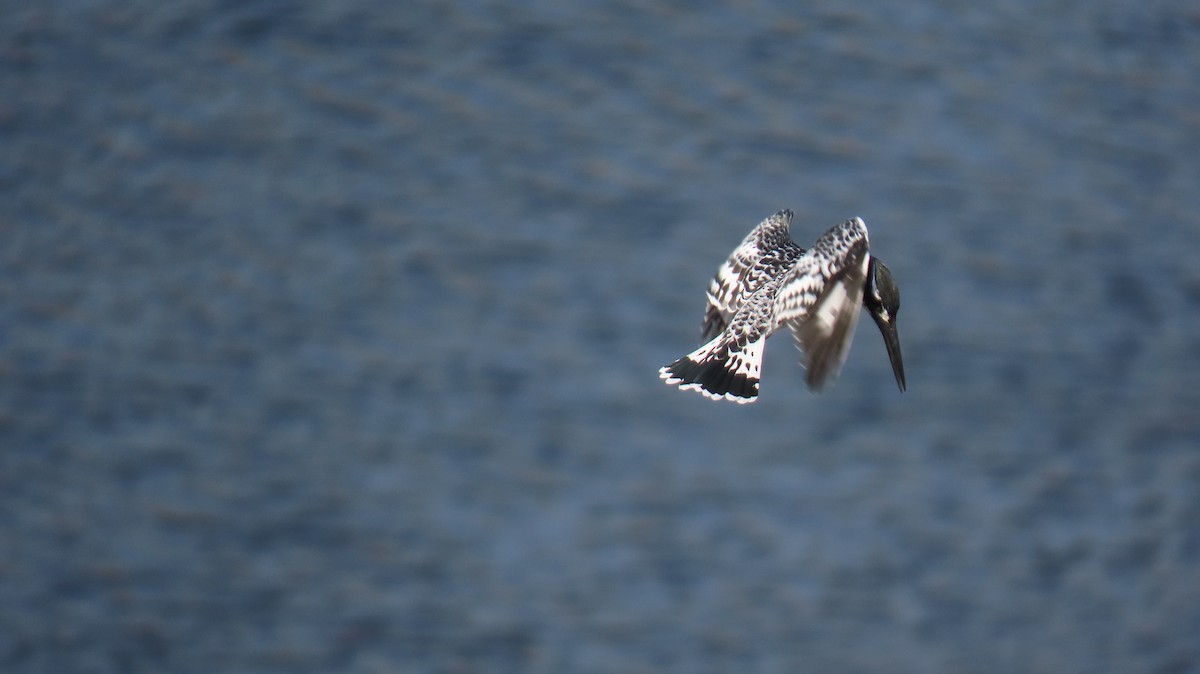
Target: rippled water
x: 329, y: 337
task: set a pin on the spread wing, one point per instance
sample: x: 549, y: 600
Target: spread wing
x: 821, y: 298
x: 766, y: 252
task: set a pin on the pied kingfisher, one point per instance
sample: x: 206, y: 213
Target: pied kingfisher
x: 769, y: 282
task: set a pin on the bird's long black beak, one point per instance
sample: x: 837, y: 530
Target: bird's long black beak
x: 891, y: 339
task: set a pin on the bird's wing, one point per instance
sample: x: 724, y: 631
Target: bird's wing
x: 743, y: 273
x: 821, y: 298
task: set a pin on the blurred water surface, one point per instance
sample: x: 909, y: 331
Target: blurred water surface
x: 329, y: 336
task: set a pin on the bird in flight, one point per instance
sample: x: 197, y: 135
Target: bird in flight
x: 769, y: 282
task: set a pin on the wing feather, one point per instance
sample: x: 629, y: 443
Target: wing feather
x: 821, y: 298
x: 761, y: 256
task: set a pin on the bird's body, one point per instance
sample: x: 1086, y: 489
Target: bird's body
x: 769, y: 282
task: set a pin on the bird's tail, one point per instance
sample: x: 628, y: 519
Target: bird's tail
x: 719, y: 370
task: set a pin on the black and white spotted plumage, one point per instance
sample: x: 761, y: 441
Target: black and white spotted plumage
x: 769, y: 282
x: 760, y: 257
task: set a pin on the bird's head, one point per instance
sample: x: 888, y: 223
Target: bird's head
x: 881, y: 297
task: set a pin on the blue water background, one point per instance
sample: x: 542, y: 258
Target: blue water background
x: 329, y: 336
